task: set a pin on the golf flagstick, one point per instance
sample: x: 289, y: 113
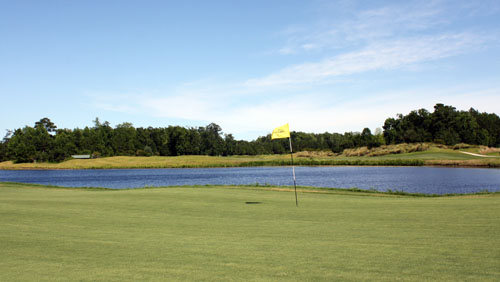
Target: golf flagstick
x: 293, y: 171
x: 284, y: 132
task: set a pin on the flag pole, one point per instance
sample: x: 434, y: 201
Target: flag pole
x: 293, y: 170
x: 284, y: 132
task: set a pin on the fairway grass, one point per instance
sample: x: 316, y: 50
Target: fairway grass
x: 211, y: 234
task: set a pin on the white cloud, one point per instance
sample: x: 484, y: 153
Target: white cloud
x: 311, y: 113
x: 286, y: 51
x: 357, y: 28
x: 308, y: 113
x: 397, y: 37
x: 114, y: 101
x: 190, y: 107
x: 382, y: 55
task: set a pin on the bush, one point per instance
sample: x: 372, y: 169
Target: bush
x: 460, y: 146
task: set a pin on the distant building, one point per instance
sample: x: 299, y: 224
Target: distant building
x: 81, y: 156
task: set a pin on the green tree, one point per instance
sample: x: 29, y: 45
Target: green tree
x: 3, y: 151
x: 144, y: 144
x: 178, y: 140
x: 20, y: 148
x: 212, y: 142
x: 335, y: 142
x: 123, y: 139
x: 3, y: 146
x: 392, y: 130
x: 101, y: 134
x: 229, y: 145
x: 43, y: 143
x: 194, y: 142
x: 444, y: 123
x: 489, y: 125
x: 379, y: 137
x: 64, y: 145
x: 160, y: 139
x: 47, y: 124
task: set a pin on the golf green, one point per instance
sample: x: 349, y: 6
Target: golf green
x: 215, y: 234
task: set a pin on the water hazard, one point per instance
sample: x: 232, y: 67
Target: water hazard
x: 428, y: 180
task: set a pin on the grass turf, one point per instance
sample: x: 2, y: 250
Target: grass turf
x: 211, y: 234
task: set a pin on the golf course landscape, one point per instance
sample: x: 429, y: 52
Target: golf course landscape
x: 226, y: 233
x: 252, y: 141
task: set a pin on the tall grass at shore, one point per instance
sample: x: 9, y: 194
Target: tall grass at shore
x: 338, y: 162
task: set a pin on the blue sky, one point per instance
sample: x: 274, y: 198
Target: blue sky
x: 248, y: 66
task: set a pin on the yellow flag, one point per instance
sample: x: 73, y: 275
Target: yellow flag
x: 281, y: 132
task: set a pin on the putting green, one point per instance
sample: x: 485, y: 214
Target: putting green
x: 212, y: 234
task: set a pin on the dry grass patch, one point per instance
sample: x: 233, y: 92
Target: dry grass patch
x: 315, y: 154
x: 489, y: 150
x: 387, y: 150
x: 461, y: 146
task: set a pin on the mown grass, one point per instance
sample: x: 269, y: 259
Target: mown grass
x: 431, y: 156
x: 210, y: 234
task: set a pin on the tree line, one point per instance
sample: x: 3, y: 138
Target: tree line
x: 445, y: 125
x: 45, y: 142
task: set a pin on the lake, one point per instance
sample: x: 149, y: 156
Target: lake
x: 428, y: 180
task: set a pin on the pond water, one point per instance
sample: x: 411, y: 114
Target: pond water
x: 428, y: 180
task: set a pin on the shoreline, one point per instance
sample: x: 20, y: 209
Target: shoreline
x: 285, y: 188
x: 442, y: 158
x: 410, y: 163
